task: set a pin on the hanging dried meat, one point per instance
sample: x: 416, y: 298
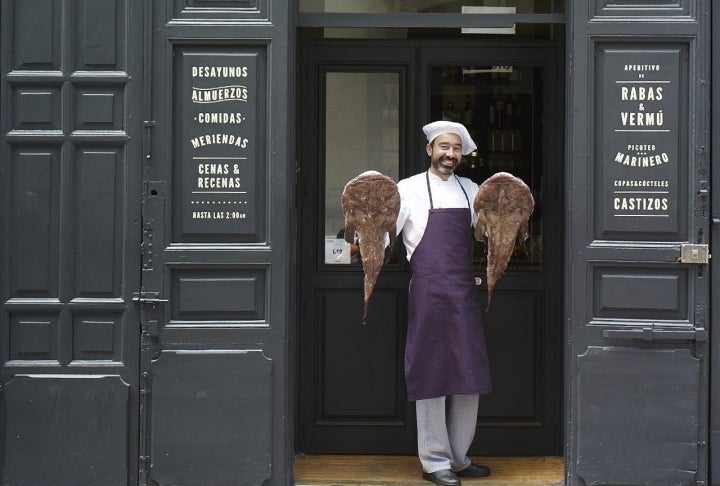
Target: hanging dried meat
x: 371, y: 203
x: 504, y: 204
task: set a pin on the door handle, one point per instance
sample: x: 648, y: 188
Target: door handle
x: 657, y: 334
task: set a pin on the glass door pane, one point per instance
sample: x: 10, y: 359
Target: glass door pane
x: 501, y: 105
x: 362, y: 132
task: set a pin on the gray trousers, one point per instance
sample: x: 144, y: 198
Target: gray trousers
x: 446, y: 427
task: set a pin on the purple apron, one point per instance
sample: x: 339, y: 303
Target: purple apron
x: 445, y: 352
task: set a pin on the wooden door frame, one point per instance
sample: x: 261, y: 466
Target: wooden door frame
x: 714, y: 458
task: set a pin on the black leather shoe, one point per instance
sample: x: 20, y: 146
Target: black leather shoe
x: 444, y: 477
x: 474, y: 471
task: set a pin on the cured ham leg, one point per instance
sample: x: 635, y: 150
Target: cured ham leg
x: 371, y: 203
x: 504, y: 204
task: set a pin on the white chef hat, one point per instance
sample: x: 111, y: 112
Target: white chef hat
x: 432, y: 130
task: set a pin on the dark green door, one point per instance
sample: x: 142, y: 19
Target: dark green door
x: 363, y: 106
x: 216, y: 254
x: 637, y: 277
x: 70, y: 172
x: 144, y: 248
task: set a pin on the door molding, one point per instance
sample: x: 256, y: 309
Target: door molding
x: 715, y: 239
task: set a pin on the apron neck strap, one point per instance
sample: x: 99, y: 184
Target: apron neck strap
x: 427, y: 180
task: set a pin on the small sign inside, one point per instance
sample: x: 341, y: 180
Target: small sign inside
x: 337, y: 250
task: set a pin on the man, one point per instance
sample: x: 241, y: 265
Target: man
x: 446, y: 365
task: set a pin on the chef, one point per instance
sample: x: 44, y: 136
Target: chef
x: 446, y: 363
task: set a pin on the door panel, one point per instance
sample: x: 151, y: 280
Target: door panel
x: 186, y: 418
x: 637, y: 313
x: 668, y: 373
x: 352, y: 390
x: 216, y: 212
x: 69, y: 266
x: 515, y: 391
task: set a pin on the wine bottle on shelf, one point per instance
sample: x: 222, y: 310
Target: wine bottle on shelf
x: 468, y: 116
x: 500, y: 109
x: 517, y: 110
x: 509, y: 112
x: 492, y: 116
x: 449, y: 113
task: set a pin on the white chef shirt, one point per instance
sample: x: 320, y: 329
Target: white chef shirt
x: 415, y: 203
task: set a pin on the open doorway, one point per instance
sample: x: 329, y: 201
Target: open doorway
x: 362, y: 104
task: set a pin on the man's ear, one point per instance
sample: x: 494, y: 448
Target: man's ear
x: 428, y: 149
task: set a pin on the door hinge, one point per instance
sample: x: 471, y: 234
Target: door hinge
x: 694, y: 253
x: 146, y: 248
x: 145, y: 383
x: 144, y: 446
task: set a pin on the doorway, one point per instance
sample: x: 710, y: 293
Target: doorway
x: 362, y: 104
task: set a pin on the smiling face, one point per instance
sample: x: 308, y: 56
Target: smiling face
x: 445, y: 153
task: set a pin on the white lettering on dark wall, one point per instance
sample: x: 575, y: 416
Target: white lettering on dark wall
x: 640, y: 120
x: 642, y: 109
x: 219, y: 71
x: 640, y: 204
x: 221, y: 182
x: 219, y: 118
x: 642, y: 67
x: 641, y: 160
x: 219, y: 94
x: 218, y: 178
x: 640, y: 183
x: 218, y: 215
x: 641, y: 93
x: 219, y: 139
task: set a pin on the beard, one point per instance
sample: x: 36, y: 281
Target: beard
x: 445, y: 165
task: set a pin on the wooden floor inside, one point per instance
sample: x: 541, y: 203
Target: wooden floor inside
x: 405, y: 471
